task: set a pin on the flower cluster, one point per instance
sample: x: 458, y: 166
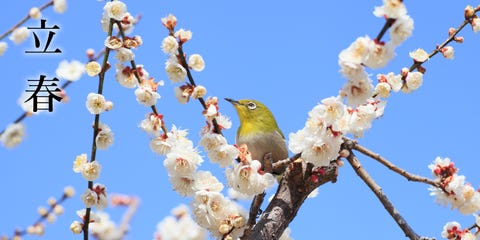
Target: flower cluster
x: 453, y: 191
x: 20, y: 34
x: 48, y: 214
x: 373, y: 53
x: 177, y: 64
x: 454, y: 231
x: 179, y: 226
x: 319, y: 141
x: 211, y: 209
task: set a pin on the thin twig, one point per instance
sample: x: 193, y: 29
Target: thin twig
x: 447, y: 41
x: 385, y: 27
x: 351, y: 144
x: 50, y: 3
x: 101, y: 78
x: 137, y: 76
x: 43, y: 217
x: 252, y: 216
x: 127, y: 217
x: 377, y: 190
x: 183, y: 62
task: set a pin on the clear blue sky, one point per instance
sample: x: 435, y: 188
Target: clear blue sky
x: 284, y: 54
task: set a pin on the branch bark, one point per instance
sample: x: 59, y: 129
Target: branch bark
x: 299, y: 181
x: 377, y: 190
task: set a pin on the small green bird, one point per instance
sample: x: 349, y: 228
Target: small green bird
x: 259, y: 131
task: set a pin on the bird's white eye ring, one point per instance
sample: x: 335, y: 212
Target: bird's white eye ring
x: 251, y: 105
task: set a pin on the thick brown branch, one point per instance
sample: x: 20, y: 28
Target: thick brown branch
x: 351, y: 144
x: 377, y: 190
x: 292, y: 191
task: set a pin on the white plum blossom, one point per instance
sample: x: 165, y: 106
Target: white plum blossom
x: 319, y: 148
x: 80, y: 162
x: 452, y: 230
x: 219, y: 215
x: 211, y: 140
x: 286, y: 234
x: 176, y: 138
x: 124, y: 55
x: 475, y: 24
x: 104, y: 138
x: 19, y: 35
x: 105, y: 228
x: 76, y: 227
x: 199, y: 181
x: 170, y: 21
x: 176, y: 72
x: 170, y: 45
x: 357, y: 91
x: 101, y: 192
x: 115, y: 9
x: 195, y: 62
x: 383, y: 89
x: 199, y: 92
x: 183, y: 185
x: 419, y: 55
x: 183, y: 35
x: 414, y: 80
x: 394, y: 80
x: 59, y: 6
x: 3, y: 47
x: 91, y: 171
x: 180, y: 226
x: 208, y: 208
x: 71, y: 71
x: 124, y: 76
x: 182, y: 162
x: 35, y: 13
x: 223, y: 121
x: 329, y: 111
x: 27, y: 106
x: 361, y: 119
x: 89, y: 198
x: 455, y: 191
x: 205, y: 181
x: 13, y: 135
x: 152, y: 124
x: 380, y: 55
x: 352, y: 58
x: 181, y: 95
x: 447, y: 52
x: 93, y: 68
x: 247, y: 178
x: 401, y: 29
x: 96, y: 103
x: 146, y: 96
x: 223, y: 155
x: 391, y: 9
x: 113, y: 42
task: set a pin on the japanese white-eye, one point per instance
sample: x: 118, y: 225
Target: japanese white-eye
x: 259, y: 131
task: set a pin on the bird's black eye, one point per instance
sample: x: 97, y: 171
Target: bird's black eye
x: 251, y: 105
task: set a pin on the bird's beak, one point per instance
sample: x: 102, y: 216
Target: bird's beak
x: 234, y: 102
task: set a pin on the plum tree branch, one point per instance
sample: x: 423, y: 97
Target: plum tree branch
x: 367, y: 152
x: 377, y: 190
x: 294, y: 188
